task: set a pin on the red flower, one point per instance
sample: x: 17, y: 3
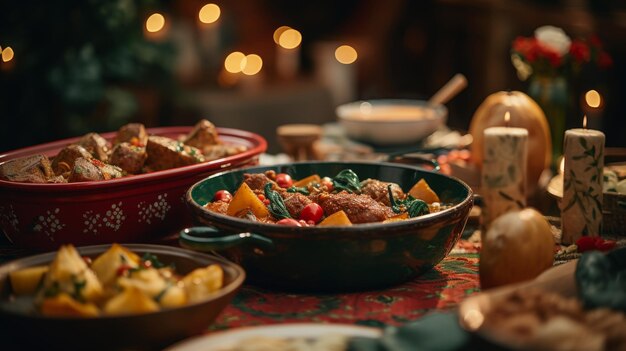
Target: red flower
x: 605, y: 60
x: 595, y: 41
x: 580, y: 51
x: 551, y: 55
x: 526, y: 47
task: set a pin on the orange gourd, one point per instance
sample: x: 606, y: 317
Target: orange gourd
x: 525, y: 113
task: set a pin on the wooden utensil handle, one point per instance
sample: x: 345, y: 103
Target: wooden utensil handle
x: 448, y: 91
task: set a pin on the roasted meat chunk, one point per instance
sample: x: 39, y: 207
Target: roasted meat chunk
x: 29, y: 169
x: 166, y: 153
x: 203, y: 134
x: 359, y: 208
x: 86, y: 170
x: 133, y: 133
x: 96, y: 145
x: 128, y: 157
x: 295, y: 202
x: 63, y: 162
x: 378, y: 191
x: 213, y: 152
x: 257, y: 181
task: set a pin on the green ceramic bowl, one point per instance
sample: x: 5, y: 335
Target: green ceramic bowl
x: 331, y: 259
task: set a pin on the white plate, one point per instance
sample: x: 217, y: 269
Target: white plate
x: 229, y: 338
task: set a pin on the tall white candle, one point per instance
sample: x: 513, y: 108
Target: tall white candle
x: 503, y: 181
x: 581, y: 208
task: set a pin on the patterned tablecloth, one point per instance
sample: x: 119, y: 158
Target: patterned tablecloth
x: 441, y: 288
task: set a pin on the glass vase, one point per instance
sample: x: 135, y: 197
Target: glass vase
x: 551, y: 93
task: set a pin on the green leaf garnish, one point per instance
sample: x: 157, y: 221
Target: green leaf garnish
x: 347, y: 180
x: 277, y: 206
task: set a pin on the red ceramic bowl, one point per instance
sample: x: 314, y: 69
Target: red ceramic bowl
x: 140, y: 208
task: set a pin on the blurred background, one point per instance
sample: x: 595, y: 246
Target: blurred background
x: 72, y: 67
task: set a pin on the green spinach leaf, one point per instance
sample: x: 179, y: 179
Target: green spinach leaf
x: 347, y: 180
x: 414, y: 207
x: 277, y: 206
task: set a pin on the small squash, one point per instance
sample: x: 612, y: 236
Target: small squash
x: 421, y: 190
x: 107, y: 264
x: 244, y: 199
x: 339, y: 218
x: 525, y: 113
x: 315, y: 178
x: 518, y: 246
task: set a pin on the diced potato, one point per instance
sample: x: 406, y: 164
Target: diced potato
x: 421, y: 190
x: 174, y: 296
x: 202, y: 282
x: 131, y: 300
x: 106, y: 265
x: 69, y: 274
x: 339, y: 218
x: 147, y: 280
x: 244, y: 199
x: 400, y: 217
x: 308, y: 180
x: 25, y: 281
x: 63, y: 305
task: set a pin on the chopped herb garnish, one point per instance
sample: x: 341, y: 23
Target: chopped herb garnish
x: 298, y: 189
x: 277, y: 206
x: 79, y: 285
x: 154, y: 261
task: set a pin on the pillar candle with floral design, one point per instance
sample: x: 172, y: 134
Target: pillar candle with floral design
x: 581, y: 208
x: 503, y: 184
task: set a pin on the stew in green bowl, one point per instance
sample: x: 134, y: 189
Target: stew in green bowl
x: 335, y: 257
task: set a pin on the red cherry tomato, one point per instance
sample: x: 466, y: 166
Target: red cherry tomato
x: 123, y: 269
x: 312, y: 212
x: 328, y: 183
x: 289, y: 222
x: 284, y: 180
x: 222, y: 195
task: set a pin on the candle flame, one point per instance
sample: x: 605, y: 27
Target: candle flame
x: 234, y: 62
x: 507, y: 118
x: 290, y: 39
x: 585, y: 122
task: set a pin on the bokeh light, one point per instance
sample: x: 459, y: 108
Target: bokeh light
x: 277, y: 33
x: 290, y: 39
x: 346, y: 54
x: 234, y: 62
x: 593, y: 98
x: 209, y: 13
x: 252, y: 64
x: 7, y: 54
x: 155, y: 23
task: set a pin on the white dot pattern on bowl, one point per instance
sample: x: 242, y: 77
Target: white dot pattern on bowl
x: 157, y: 209
x: 112, y: 218
x: 49, y: 223
x: 7, y: 215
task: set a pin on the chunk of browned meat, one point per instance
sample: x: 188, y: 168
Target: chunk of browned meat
x: 217, y: 206
x: 96, y: 145
x: 134, y: 133
x: 28, y: 169
x: 378, y: 191
x: 63, y: 162
x: 257, y: 181
x: 295, y: 202
x: 86, y: 170
x: 128, y: 157
x: 213, y: 152
x: 166, y: 153
x: 203, y: 134
x: 359, y: 208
